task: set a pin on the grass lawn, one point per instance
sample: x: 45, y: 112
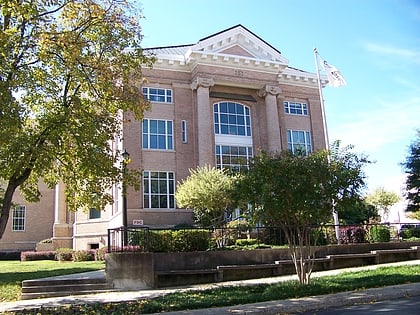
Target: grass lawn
x: 12, y: 273
x: 227, y: 296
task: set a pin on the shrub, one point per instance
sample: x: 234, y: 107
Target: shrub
x: 379, y: 234
x: 100, y: 254
x: 9, y: 255
x: 83, y: 255
x: 160, y: 241
x: 32, y: 255
x: 246, y: 242
x: 64, y: 254
x: 137, y: 237
x: 410, y: 233
x: 352, y: 234
x: 318, y: 237
x: 190, y: 240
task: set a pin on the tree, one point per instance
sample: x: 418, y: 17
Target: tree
x: 296, y: 193
x: 412, y: 169
x: 359, y: 212
x: 207, y: 191
x: 68, y: 70
x: 383, y: 200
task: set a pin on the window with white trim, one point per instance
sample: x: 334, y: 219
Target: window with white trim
x: 232, y: 119
x: 157, y: 134
x: 184, y: 138
x: 299, y: 140
x: 232, y: 157
x: 94, y: 214
x: 158, y: 94
x: 158, y: 190
x: 18, y: 218
x: 296, y: 108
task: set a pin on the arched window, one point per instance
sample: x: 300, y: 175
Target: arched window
x: 232, y: 119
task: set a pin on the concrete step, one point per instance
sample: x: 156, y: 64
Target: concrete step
x: 76, y: 284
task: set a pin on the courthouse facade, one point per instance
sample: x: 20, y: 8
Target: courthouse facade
x: 217, y: 102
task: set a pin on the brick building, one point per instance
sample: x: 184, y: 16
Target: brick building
x: 215, y: 102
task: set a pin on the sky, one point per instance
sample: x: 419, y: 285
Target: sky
x: 374, y: 43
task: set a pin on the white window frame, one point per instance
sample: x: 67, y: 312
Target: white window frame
x: 94, y: 214
x: 158, y: 95
x: 19, y: 218
x: 168, y: 135
x: 152, y: 191
x: 220, y: 122
x: 296, y: 108
x: 221, y: 158
x: 307, y: 141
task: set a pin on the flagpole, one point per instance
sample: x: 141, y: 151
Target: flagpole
x: 324, y: 123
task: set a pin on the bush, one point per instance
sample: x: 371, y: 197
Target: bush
x: 160, y: 241
x: 64, y: 254
x: 410, y: 233
x: 190, y: 240
x: 246, y: 242
x: 83, y: 255
x: 100, y: 254
x: 380, y: 234
x: 9, y: 255
x: 32, y: 255
x: 352, y: 234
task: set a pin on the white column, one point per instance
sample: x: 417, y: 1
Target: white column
x: 204, y: 121
x: 270, y: 93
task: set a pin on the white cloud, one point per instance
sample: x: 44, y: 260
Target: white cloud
x: 406, y: 54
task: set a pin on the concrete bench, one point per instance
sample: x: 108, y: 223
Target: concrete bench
x: 169, y: 278
x: 250, y: 271
x: 391, y: 255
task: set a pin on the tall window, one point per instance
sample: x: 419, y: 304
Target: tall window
x: 184, y: 138
x: 18, y: 218
x: 158, y: 95
x: 232, y: 119
x: 299, y: 140
x: 158, y: 190
x: 296, y: 108
x: 157, y: 134
x: 232, y: 157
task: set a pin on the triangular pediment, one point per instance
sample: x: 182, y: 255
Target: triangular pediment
x: 241, y: 42
x: 237, y: 50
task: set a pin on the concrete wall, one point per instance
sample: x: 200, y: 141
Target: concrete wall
x: 151, y: 270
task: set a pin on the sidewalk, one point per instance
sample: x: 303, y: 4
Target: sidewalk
x: 273, y: 307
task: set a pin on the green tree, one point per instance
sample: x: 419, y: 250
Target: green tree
x: 68, y: 70
x: 207, y: 190
x: 359, y: 212
x: 297, y: 194
x: 412, y: 169
x: 383, y: 200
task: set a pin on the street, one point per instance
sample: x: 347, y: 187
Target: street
x: 403, y: 306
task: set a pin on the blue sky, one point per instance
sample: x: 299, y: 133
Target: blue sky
x: 375, y: 44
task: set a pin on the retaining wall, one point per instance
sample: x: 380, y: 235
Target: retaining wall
x: 137, y: 270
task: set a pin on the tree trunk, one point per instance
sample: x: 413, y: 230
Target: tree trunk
x: 5, y: 209
x: 13, y: 183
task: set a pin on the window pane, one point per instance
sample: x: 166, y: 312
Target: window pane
x: 154, y: 186
x: 145, y: 142
x: 170, y: 143
x: 162, y: 187
x: 162, y: 142
x: 153, y: 142
x: 153, y: 126
x: 231, y: 108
